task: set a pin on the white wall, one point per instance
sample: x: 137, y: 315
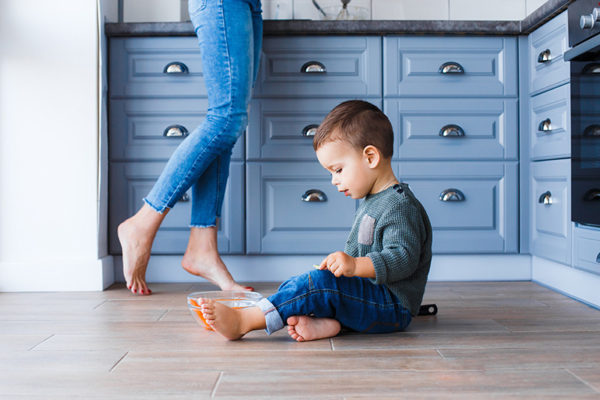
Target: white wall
x: 49, y: 147
x: 169, y: 10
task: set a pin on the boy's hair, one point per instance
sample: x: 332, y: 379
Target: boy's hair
x: 360, y: 123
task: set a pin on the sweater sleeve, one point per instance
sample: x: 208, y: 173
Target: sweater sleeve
x: 402, y: 232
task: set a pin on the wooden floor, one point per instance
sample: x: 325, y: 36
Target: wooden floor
x: 489, y: 340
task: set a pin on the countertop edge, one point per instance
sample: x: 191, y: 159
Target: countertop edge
x: 366, y: 27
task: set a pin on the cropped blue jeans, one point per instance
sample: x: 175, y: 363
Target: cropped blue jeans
x: 230, y: 37
x: 356, y: 303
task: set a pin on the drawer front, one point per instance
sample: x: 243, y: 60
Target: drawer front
x: 549, y: 124
x: 280, y: 222
x: 281, y: 129
x: 413, y: 66
x: 586, y: 249
x: 454, y: 129
x: 551, y: 210
x: 547, y: 67
x: 479, y: 214
x: 320, y: 67
x: 147, y: 67
x: 130, y: 183
x: 150, y: 129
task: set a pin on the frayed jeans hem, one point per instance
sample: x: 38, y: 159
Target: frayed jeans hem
x: 155, y: 208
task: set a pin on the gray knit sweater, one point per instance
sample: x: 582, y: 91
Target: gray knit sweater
x: 392, y: 228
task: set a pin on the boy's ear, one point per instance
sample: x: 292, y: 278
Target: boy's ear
x: 372, y: 155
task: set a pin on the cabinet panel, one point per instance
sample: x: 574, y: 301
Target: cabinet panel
x: 320, y: 67
x: 279, y: 128
x: 131, y: 182
x: 156, y: 67
x: 423, y: 66
x: 586, y: 251
x: 549, y: 124
x: 547, y: 67
x: 472, y: 205
x: 454, y: 129
x: 143, y: 129
x: 280, y: 222
x: 551, y: 210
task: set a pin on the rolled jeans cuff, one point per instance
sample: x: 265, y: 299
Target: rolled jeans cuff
x: 272, y: 318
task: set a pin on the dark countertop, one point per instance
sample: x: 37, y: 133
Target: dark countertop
x: 366, y: 27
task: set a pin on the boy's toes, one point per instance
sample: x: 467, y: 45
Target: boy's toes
x: 293, y: 320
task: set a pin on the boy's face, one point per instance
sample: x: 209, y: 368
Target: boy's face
x: 351, y: 171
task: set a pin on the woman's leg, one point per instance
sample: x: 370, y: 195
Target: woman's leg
x: 224, y: 31
x: 202, y: 256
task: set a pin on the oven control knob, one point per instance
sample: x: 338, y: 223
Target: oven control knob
x: 587, y: 21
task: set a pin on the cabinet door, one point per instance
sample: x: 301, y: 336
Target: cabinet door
x: 283, y: 129
x: 294, y: 209
x: 331, y: 66
x: 547, y: 67
x: 551, y: 210
x: 450, y: 66
x: 130, y: 183
x: 156, y: 67
x: 454, y: 129
x: 586, y: 250
x: 151, y: 129
x: 549, y: 124
x: 472, y: 205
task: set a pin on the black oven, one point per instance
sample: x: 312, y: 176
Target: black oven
x: 584, y: 56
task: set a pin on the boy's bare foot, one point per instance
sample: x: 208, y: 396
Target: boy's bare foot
x: 136, y: 253
x: 303, y: 328
x: 225, y: 320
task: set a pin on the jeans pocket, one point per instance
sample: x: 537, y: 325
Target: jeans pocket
x: 196, y: 6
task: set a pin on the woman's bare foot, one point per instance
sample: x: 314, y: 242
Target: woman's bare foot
x: 202, y: 259
x: 136, y: 253
x: 136, y: 235
x: 304, y: 328
x: 231, y: 323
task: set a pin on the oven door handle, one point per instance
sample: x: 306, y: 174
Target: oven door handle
x: 592, y: 195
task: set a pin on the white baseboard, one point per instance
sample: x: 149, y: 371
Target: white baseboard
x: 573, y: 282
x: 279, y: 268
x: 51, y: 276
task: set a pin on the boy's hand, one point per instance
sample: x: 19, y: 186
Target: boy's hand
x: 339, y: 263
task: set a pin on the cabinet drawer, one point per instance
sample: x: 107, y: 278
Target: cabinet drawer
x: 320, y: 67
x: 280, y: 222
x: 281, y: 129
x: 414, y: 66
x: 549, y: 124
x: 454, y: 129
x: 551, y: 210
x: 586, y: 249
x: 148, y: 129
x: 547, y: 68
x: 151, y: 67
x: 479, y: 214
x: 130, y: 183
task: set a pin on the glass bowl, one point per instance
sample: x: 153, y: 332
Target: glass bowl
x: 231, y: 298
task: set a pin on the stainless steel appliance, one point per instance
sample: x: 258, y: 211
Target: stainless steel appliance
x: 584, y: 56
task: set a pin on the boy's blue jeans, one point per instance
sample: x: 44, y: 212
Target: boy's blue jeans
x: 357, y: 303
x: 230, y: 37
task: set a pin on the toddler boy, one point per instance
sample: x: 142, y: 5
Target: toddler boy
x: 377, y: 283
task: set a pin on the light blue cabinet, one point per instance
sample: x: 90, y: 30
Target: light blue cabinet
x: 472, y: 205
x: 294, y: 209
x: 130, y: 182
x: 331, y: 66
x: 283, y: 129
x: 549, y: 124
x: 547, y: 67
x: 551, y: 212
x: 450, y: 66
x: 454, y: 129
